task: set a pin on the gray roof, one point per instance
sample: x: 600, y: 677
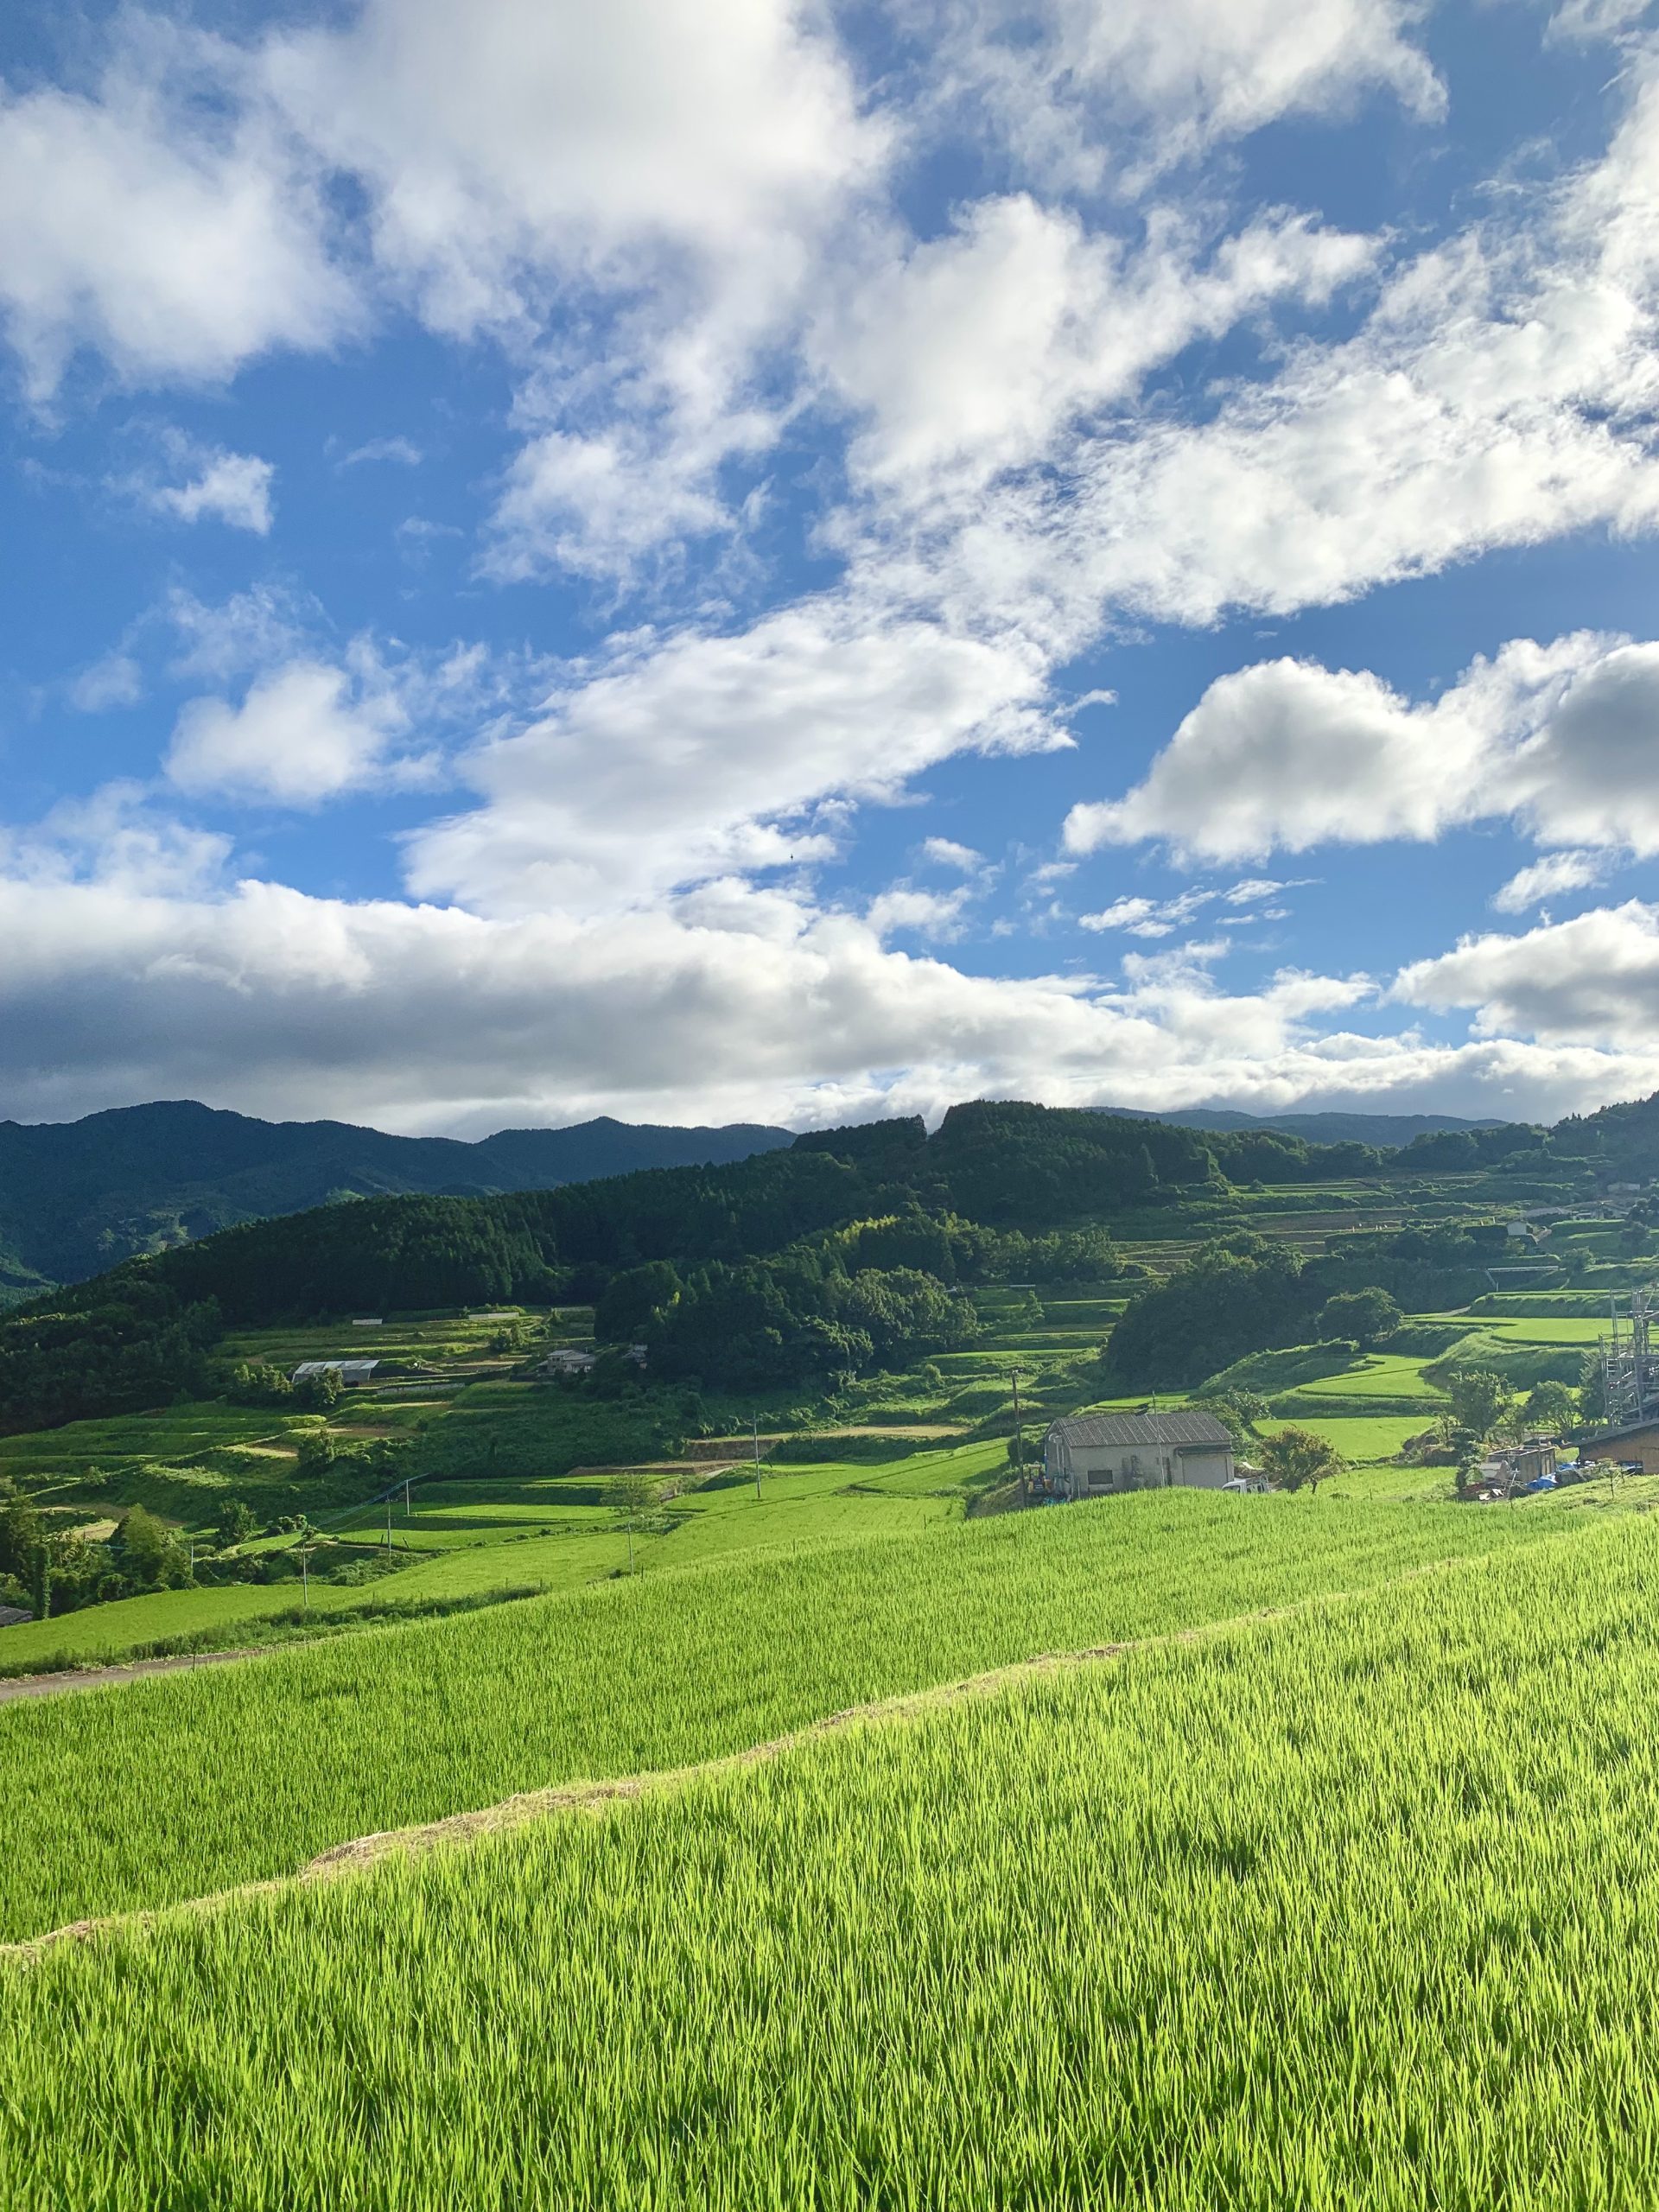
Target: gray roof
x: 1142, y: 1428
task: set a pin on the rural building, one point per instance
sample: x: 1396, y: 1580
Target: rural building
x: 569, y: 1359
x: 14, y: 1616
x: 1635, y: 1445
x: 1529, y: 1462
x: 1092, y: 1455
x: 352, y: 1373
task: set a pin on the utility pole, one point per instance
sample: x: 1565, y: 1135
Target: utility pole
x: 754, y: 1431
x: 1019, y: 1435
x: 388, y: 1524
x: 405, y: 1498
x: 305, y: 1578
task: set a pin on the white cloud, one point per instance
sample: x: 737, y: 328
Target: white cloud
x: 1286, y: 755
x: 667, y: 174
x: 234, y: 487
x: 116, y: 838
x: 1153, y: 917
x: 1549, y: 878
x: 594, y: 505
x: 177, y: 240
x: 1580, y: 22
x: 693, y: 756
x: 1085, y: 93
x: 945, y: 852
x: 903, y: 909
x: 969, y: 352
x: 1592, y: 980
x: 403, y: 451
x: 1501, y: 392
x: 300, y: 736
x: 115, y: 681
x: 265, y: 998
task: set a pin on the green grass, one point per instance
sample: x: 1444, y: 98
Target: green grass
x: 184, y: 1783
x: 1348, y: 1910
x: 1362, y: 1440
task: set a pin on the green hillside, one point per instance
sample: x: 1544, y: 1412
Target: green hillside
x: 76, y: 1198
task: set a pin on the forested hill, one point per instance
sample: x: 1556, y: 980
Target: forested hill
x: 816, y: 1258
x: 77, y: 1196
x: 826, y: 1257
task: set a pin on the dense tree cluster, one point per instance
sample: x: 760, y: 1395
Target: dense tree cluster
x: 1244, y: 1293
x: 803, y: 1317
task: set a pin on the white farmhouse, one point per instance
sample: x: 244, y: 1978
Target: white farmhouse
x: 1093, y: 1454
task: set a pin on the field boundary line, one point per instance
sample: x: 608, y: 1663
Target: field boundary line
x: 527, y: 1807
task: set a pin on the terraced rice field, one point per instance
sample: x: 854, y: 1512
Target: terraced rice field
x: 1347, y: 1908
x: 175, y: 1786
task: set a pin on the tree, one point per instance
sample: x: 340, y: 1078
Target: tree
x: 1550, y: 1408
x: 1298, y: 1459
x: 1480, y: 1400
x: 634, y: 1493
x: 1239, y: 1411
x: 144, y: 1546
x: 235, y: 1522
x: 1366, y: 1316
x: 319, y: 1392
x: 317, y: 1452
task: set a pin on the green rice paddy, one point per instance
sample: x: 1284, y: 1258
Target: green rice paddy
x: 145, y: 1795
x: 1348, y: 1907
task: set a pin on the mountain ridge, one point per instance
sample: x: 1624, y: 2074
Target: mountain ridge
x: 78, y: 1197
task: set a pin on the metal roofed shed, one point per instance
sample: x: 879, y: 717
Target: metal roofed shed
x: 352, y: 1373
x: 1095, y: 1455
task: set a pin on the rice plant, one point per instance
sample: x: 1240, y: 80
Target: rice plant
x: 168, y: 1789
x: 1351, y: 1908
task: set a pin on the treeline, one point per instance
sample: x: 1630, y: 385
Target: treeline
x: 126, y: 1342
x: 1001, y: 1191
x: 1244, y: 1293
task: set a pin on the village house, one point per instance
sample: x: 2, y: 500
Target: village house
x: 352, y: 1373
x: 568, y: 1359
x: 1091, y: 1455
x: 1634, y: 1446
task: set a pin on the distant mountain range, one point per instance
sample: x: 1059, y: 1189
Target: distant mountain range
x: 76, y: 1196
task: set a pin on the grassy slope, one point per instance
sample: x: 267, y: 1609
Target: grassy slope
x: 184, y: 1783
x: 1345, y: 1910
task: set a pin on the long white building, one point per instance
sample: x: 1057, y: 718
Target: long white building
x: 1092, y: 1455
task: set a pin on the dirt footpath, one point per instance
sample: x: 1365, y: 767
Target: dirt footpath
x: 91, y: 1678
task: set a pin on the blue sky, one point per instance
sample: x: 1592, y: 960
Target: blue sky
x: 803, y: 563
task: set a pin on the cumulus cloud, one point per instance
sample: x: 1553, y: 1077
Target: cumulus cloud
x: 177, y: 240
x: 903, y: 909
x: 967, y: 353
x: 694, y: 756
x: 303, y: 735
x: 945, y: 852
x: 1591, y: 980
x: 1286, y: 755
x: 263, y: 997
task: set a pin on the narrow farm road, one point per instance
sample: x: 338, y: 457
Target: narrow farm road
x: 91, y: 1678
